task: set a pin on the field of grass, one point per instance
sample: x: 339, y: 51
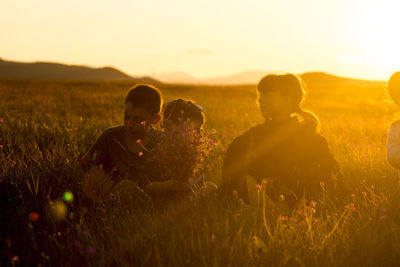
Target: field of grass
x: 46, y: 126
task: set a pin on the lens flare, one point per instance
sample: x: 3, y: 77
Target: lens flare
x: 33, y: 216
x: 58, y: 210
x: 68, y: 196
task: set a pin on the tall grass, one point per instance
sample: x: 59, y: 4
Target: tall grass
x: 45, y: 126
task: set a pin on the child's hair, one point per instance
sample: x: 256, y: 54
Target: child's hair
x: 394, y: 87
x: 289, y: 85
x: 145, y: 96
x: 179, y: 111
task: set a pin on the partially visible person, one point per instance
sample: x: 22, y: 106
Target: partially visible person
x: 286, y: 150
x: 393, y: 139
x: 122, y: 150
x: 178, y: 158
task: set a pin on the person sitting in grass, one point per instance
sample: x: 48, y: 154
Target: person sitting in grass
x: 178, y: 159
x: 286, y: 150
x: 393, y: 139
x: 122, y: 150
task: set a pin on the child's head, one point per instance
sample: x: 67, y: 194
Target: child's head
x: 142, y: 109
x: 179, y: 111
x: 394, y: 87
x: 280, y: 96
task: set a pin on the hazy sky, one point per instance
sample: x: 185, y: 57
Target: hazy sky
x: 357, y: 38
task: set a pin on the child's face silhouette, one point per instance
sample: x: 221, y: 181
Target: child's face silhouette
x: 137, y: 120
x: 274, y: 105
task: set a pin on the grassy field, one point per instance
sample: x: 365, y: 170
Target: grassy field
x: 46, y: 126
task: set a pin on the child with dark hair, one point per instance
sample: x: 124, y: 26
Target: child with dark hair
x: 178, y: 157
x: 178, y: 111
x: 122, y: 150
x: 285, y: 150
x: 393, y: 140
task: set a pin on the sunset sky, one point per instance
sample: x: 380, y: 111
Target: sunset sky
x: 355, y: 38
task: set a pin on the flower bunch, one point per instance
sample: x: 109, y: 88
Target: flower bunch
x: 180, y: 154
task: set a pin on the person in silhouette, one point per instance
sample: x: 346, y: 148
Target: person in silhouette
x: 286, y: 150
x: 122, y: 150
x: 393, y: 139
x: 175, y: 175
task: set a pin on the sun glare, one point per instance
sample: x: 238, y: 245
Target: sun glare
x: 375, y: 31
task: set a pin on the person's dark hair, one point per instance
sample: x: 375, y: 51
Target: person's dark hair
x: 179, y: 111
x: 145, y: 96
x: 291, y: 86
x: 394, y: 87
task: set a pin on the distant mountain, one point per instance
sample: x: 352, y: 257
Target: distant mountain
x: 313, y: 79
x: 323, y: 80
x: 175, y: 77
x: 246, y: 77
x: 57, y: 71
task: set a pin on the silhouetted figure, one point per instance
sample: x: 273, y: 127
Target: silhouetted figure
x: 122, y: 150
x: 393, y: 140
x: 183, y: 121
x: 286, y: 149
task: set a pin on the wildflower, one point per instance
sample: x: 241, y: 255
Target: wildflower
x: 353, y: 195
x: 282, y: 218
x: 143, y: 123
x: 90, y: 250
x: 140, y: 154
x: 1, y: 120
x: 15, y: 258
x: 258, y: 187
x: 181, y: 154
x: 316, y: 220
x: 138, y: 141
x: 281, y: 197
x: 1, y: 146
x: 213, y: 237
x: 352, y: 207
x: 313, y: 203
x: 77, y: 244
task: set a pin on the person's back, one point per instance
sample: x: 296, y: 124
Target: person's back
x: 293, y: 158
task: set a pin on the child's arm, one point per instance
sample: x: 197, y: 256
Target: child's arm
x: 96, y: 153
x: 393, y: 145
x: 159, y: 188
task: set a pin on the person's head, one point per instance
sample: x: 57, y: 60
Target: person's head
x: 142, y: 109
x: 394, y: 87
x: 281, y: 96
x: 180, y: 111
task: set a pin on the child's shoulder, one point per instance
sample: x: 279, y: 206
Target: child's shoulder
x: 395, y: 124
x: 112, y: 131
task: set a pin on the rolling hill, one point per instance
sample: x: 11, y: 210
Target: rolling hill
x: 57, y: 71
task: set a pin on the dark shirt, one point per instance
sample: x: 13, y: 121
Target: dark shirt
x: 292, y: 157
x: 110, y: 151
